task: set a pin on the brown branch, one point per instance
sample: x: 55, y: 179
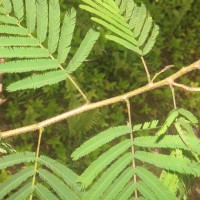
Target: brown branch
x: 187, y: 88
x: 167, y: 81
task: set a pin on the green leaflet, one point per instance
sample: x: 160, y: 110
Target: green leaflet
x: 38, y: 81
x: 140, y: 21
x: 18, y: 41
x: 13, y: 182
x: 109, y: 17
x: 65, y: 173
x: 123, y: 5
x: 60, y: 188
x: 151, y: 41
x: 181, y: 165
x: 30, y: 15
x: 170, y: 119
x: 16, y: 158
x: 105, y: 160
x: 14, y: 30
x: 112, y: 5
x: 114, y: 13
x: 2, y: 10
x: 28, y: 65
x: 145, y: 191
x: 7, y: 5
x: 187, y: 126
x: 146, y: 126
x: 182, y: 133
x: 23, y: 193
x: 155, y: 184
x: 106, y: 178
x: 83, y: 51
x: 115, y: 30
x: 23, y: 52
x: 169, y: 178
x: 129, y: 9
x: 141, y: 198
x: 118, y: 2
x: 124, y: 43
x: 169, y: 141
x: 44, y: 193
x: 127, y: 192
x: 134, y: 17
x: 66, y: 35
x: 18, y: 7
x: 8, y: 20
x: 145, y: 30
x: 42, y: 19
x: 131, y: 23
x: 187, y: 114
x: 99, y: 140
x: 105, y: 8
x: 118, y: 184
x: 54, y: 25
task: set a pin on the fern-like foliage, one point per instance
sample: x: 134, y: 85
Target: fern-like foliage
x: 25, y: 42
x: 185, y: 127
x: 54, y: 180
x: 6, y: 148
x: 171, y: 179
x: 80, y: 124
x: 112, y: 175
x: 131, y: 24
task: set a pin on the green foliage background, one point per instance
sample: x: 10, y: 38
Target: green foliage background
x: 111, y: 70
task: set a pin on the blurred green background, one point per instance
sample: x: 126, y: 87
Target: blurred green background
x: 110, y: 70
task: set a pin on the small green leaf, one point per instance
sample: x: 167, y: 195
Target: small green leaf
x: 83, y: 51
x: 38, y: 81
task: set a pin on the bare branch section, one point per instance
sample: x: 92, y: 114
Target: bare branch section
x: 150, y: 86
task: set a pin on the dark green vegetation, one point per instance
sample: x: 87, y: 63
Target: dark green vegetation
x: 109, y: 71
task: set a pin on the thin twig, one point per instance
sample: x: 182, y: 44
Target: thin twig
x: 187, y: 88
x: 151, y: 86
x: 146, y: 69
x: 132, y: 139
x: 162, y: 71
x: 79, y: 89
x: 173, y: 96
x: 36, y: 159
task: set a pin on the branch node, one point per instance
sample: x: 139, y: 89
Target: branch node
x: 170, y: 81
x: 150, y: 84
x: 125, y: 98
